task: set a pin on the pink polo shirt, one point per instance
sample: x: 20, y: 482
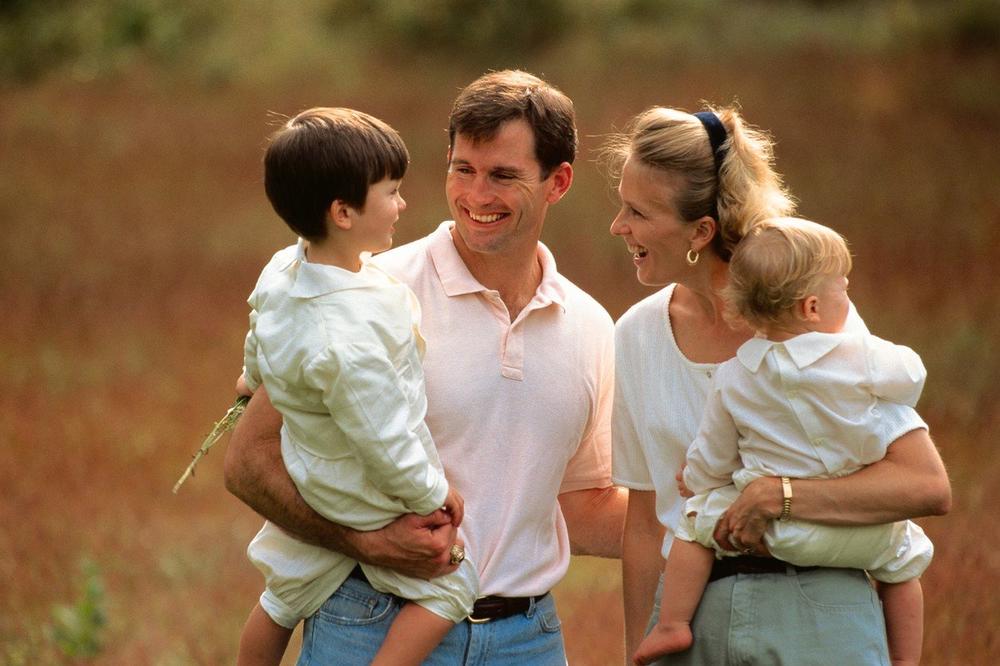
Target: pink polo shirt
x: 520, y: 411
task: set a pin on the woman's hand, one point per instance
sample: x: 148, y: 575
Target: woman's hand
x: 742, y: 525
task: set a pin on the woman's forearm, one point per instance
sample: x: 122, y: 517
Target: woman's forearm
x: 641, y: 565
x: 909, y: 482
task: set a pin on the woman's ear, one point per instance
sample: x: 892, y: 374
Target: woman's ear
x: 340, y: 215
x: 703, y: 231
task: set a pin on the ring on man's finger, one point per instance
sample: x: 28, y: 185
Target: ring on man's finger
x: 457, y: 554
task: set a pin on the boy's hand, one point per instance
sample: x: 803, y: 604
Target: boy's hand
x: 242, y: 388
x: 455, y: 506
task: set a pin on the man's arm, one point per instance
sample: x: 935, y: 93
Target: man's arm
x: 255, y: 473
x: 641, y: 564
x: 595, y: 518
x: 911, y: 481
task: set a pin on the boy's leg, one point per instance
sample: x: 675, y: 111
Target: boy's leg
x: 413, y: 635
x: 685, y: 576
x: 903, y: 604
x: 263, y: 641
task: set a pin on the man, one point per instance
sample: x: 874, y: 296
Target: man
x: 519, y: 372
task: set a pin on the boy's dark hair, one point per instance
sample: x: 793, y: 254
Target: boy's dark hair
x: 325, y: 154
x: 496, y: 97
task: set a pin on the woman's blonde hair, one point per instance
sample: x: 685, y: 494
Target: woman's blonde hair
x: 745, y: 188
x: 780, y: 262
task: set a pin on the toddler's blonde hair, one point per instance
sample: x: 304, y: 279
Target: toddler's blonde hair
x: 777, y: 264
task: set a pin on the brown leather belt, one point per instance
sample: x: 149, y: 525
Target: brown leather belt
x: 485, y: 608
x: 497, y: 608
x: 750, y: 564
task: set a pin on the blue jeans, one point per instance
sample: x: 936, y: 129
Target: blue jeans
x: 825, y: 617
x: 351, y: 625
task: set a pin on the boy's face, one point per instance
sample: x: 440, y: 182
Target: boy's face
x: 832, y: 304
x: 374, y: 223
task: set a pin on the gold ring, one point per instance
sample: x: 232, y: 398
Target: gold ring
x: 457, y: 554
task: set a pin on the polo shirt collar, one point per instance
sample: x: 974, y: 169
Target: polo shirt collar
x: 457, y: 280
x: 311, y: 280
x: 804, y: 349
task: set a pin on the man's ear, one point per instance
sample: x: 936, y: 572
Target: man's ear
x: 340, y: 215
x: 562, y: 178
x: 703, y: 230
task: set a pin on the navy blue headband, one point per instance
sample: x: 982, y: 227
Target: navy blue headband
x: 716, y: 135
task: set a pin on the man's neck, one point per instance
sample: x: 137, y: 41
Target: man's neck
x: 514, y: 275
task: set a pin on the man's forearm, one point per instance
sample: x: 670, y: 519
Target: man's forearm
x: 255, y: 473
x: 595, y: 519
x: 413, y: 545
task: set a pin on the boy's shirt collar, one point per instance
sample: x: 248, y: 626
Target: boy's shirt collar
x: 804, y: 349
x: 312, y: 280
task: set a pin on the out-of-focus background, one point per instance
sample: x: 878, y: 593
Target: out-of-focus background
x: 134, y: 225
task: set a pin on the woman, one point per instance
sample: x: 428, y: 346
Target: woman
x: 691, y: 186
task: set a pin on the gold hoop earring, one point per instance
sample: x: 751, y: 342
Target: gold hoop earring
x: 692, y: 257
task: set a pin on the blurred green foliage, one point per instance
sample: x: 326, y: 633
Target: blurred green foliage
x: 99, y: 37
x: 77, y: 629
x: 96, y: 37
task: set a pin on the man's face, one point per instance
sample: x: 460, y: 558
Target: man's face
x: 496, y: 193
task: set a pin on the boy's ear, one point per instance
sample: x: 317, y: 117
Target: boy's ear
x: 809, y: 308
x: 340, y: 215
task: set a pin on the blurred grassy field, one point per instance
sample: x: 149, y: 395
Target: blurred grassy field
x: 135, y: 224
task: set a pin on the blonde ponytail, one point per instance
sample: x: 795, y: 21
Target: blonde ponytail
x: 746, y: 189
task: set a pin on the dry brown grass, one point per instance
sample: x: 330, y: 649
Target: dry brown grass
x: 134, y: 226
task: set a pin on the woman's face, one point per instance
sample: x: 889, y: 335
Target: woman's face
x: 649, y: 224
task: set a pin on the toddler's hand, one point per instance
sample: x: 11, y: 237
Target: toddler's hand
x: 681, y: 488
x: 455, y: 506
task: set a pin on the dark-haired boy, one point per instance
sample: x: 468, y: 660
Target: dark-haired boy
x: 335, y: 342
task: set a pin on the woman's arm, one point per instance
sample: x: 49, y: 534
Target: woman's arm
x: 911, y: 481
x: 255, y: 473
x: 641, y: 564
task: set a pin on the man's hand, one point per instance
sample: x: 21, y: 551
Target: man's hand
x: 413, y: 545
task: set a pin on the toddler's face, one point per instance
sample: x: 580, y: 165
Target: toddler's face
x: 832, y: 304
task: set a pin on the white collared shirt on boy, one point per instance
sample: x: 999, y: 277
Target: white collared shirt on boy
x: 339, y: 353
x: 819, y: 405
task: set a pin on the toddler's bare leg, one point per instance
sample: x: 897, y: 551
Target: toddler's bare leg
x: 684, y: 578
x: 903, y: 604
